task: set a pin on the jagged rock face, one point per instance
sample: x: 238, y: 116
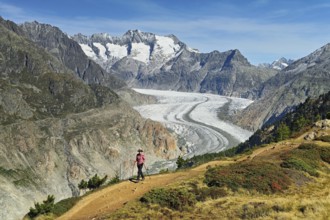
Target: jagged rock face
x: 279, y: 64
x: 307, y: 77
x: 69, y: 53
x: 56, y: 130
x: 145, y: 60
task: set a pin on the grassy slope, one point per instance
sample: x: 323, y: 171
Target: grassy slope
x: 306, y: 197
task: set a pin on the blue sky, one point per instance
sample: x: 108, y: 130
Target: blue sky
x: 263, y: 30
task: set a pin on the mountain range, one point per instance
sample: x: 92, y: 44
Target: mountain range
x: 146, y: 60
x: 65, y: 110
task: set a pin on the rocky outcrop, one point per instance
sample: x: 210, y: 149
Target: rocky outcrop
x: 320, y: 128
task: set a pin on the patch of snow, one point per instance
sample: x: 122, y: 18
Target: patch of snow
x: 140, y: 52
x: 117, y: 51
x: 166, y: 46
x: 88, y: 51
x: 192, y: 50
x: 102, y: 50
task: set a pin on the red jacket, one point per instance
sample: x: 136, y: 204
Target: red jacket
x: 140, y: 158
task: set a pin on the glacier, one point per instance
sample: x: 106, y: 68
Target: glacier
x: 194, y: 119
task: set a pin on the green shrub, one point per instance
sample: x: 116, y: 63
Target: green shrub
x: 324, y: 153
x: 180, y: 162
x: 299, y: 164
x: 210, y: 192
x: 178, y: 198
x: 83, y: 185
x: 307, y: 158
x: 64, y: 205
x: 325, y: 138
x: 43, y: 208
x: 283, y: 132
x: 262, y: 177
x: 95, y: 182
x: 307, y: 146
x: 114, y: 180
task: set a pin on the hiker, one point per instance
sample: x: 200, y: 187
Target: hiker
x: 140, y: 162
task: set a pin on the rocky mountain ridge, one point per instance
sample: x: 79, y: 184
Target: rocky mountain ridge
x: 146, y: 60
x: 150, y: 61
x: 55, y: 129
x: 306, y: 77
x: 69, y: 53
x: 278, y: 64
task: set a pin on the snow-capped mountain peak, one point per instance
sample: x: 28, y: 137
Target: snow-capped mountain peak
x: 278, y: 64
x: 144, y: 47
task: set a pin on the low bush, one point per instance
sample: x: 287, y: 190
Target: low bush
x: 94, y: 182
x: 254, y: 210
x: 260, y: 176
x: 324, y: 153
x: 43, y: 208
x: 299, y: 164
x: 64, y: 205
x: 209, y: 192
x: 325, y: 138
x: 178, y: 198
x: 307, y: 158
x: 114, y: 180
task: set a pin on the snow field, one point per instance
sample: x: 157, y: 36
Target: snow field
x: 117, y: 51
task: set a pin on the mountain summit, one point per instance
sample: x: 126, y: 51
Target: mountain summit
x: 278, y: 64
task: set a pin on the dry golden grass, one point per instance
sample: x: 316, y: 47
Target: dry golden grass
x: 307, y: 198
x: 311, y: 201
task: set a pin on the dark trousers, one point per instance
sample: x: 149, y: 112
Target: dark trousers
x: 140, y: 174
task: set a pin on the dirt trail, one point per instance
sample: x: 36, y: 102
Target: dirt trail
x: 109, y: 199
x: 112, y: 198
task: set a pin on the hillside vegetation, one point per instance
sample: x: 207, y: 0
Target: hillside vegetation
x: 290, y: 183
x: 292, y: 124
x: 286, y: 177
x: 285, y: 180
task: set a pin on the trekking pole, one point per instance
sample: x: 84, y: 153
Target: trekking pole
x: 133, y: 169
x: 147, y: 170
